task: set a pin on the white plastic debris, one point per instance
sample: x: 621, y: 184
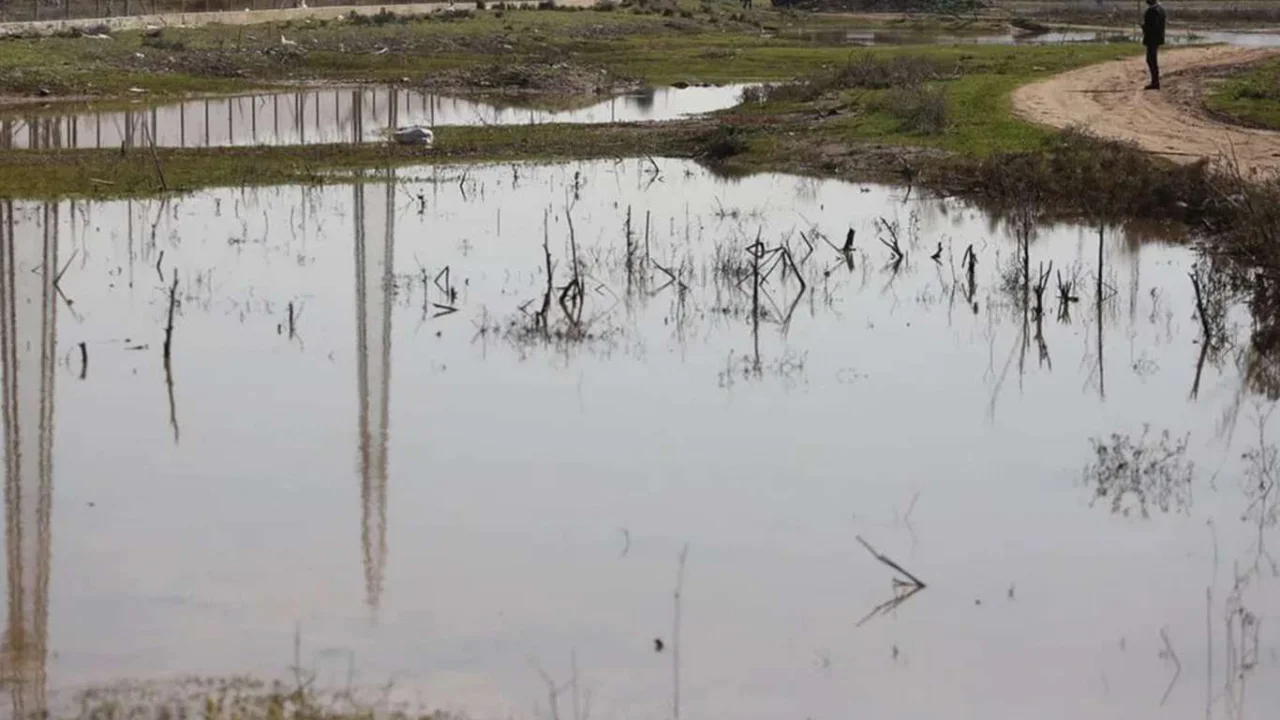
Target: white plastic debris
x: 414, y: 135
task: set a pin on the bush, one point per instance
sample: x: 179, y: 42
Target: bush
x: 546, y: 4
x: 865, y: 71
x: 159, y: 40
x: 382, y: 17
x: 723, y: 143
x: 918, y: 108
x: 605, y: 5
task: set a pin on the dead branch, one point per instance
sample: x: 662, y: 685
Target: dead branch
x: 168, y: 328
x: 884, y: 559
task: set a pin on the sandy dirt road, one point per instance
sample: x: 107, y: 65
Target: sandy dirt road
x: 1108, y: 100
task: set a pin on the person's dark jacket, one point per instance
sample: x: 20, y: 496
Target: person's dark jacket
x: 1153, y: 26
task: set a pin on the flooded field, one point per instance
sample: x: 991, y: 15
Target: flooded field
x: 331, y: 115
x: 869, y: 38
x: 370, y: 421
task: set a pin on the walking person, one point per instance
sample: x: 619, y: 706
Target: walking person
x: 1152, y: 39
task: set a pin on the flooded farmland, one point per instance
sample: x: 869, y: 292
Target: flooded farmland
x: 330, y: 115
x: 758, y: 447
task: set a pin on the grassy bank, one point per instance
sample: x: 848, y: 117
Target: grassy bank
x: 135, y: 173
x: 1249, y: 97
x: 827, y: 128
x: 657, y: 41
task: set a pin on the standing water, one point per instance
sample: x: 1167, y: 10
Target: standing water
x: 330, y: 115
x: 384, y: 434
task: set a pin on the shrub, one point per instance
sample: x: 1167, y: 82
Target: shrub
x: 918, y: 108
x: 865, y: 71
x: 723, y: 143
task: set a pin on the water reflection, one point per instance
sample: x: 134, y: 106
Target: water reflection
x: 870, y: 38
x: 374, y: 207
x: 331, y: 115
x: 28, y: 346
x: 735, y: 373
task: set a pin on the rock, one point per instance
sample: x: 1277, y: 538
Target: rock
x: 413, y: 135
x: 680, y: 85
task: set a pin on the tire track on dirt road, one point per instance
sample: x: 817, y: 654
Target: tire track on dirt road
x: 1108, y: 100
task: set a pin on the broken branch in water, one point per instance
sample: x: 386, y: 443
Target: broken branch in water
x: 890, y: 605
x: 892, y: 243
x: 1200, y: 307
x: 919, y: 584
x: 168, y: 328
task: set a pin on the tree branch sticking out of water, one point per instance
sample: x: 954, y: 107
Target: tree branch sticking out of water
x: 911, y: 585
x: 915, y: 581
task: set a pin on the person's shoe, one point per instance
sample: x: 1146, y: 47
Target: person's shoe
x: 1152, y: 86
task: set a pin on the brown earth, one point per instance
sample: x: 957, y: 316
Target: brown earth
x: 1108, y: 100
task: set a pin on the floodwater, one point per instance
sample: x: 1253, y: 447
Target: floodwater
x: 330, y: 115
x: 365, y: 435
x: 869, y: 38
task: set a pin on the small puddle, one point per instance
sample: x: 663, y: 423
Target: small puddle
x: 331, y: 115
x: 386, y: 435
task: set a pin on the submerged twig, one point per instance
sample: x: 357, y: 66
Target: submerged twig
x: 887, y: 561
x: 890, y: 605
x: 168, y: 328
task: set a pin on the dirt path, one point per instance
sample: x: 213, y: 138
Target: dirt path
x: 1108, y: 100
x: 249, y: 17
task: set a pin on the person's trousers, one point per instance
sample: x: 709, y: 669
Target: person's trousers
x: 1153, y: 63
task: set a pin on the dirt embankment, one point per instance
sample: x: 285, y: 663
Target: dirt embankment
x: 1108, y: 100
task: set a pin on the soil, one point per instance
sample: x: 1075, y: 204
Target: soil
x: 1108, y: 100
x: 562, y: 79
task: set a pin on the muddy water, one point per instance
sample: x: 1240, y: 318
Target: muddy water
x: 435, y: 491
x: 330, y: 116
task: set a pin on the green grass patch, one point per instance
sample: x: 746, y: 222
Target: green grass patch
x: 1251, y: 97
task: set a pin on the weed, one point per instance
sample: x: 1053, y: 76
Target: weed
x: 722, y: 143
x: 865, y: 71
x: 918, y: 108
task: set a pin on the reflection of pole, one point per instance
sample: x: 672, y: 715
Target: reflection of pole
x: 28, y: 305
x: 374, y: 267
x: 1102, y: 384
x: 357, y: 116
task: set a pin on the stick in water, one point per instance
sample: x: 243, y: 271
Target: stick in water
x: 882, y: 558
